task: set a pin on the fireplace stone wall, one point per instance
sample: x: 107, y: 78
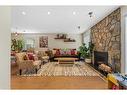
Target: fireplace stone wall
x: 106, y: 37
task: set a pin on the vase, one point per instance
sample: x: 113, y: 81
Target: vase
x: 88, y: 60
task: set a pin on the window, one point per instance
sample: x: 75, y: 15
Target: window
x: 29, y: 43
x: 86, y: 37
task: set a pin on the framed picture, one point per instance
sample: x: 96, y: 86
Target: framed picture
x: 43, y: 42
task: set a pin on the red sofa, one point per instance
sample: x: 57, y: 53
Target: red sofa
x: 65, y: 53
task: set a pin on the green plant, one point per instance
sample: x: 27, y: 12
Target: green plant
x: 91, y: 47
x: 13, y: 44
x: 86, y: 52
x: 17, y: 45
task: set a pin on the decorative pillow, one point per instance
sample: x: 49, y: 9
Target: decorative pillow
x: 62, y: 52
x: 76, y: 52
x: 35, y: 57
x: 57, y: 52
x: 12, y: 53
x: 73, y: 51
x: 30, y: 56
x: 68, y: 52
x: 54, y: 52
x: 25, y: 57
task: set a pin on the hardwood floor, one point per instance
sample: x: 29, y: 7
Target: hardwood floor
x: 57, y: 82
x: 18, y: 82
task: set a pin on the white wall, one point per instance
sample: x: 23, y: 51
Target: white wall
x: 123, y: 38
x: 5, y: 18
x: 54, y: 43
x: 86, y: 37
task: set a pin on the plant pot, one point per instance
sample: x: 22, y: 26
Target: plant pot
x: 88, y: 60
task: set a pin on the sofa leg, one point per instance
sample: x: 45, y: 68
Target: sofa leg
x: 39, y: 66
x: 36, y: 70
x: 20, y: 71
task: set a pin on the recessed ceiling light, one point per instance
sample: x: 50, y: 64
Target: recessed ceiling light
x: 24, y: 13
x: 49, y: 13
x: 74, y: 13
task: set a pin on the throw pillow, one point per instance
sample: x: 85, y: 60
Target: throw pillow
x: 25, y: 57
x: 35, y: 57
x: 76, y: 52
x: 30, y: 56
x: 72, y: 51
x: 54, y: 52
x: 62, y: 52
x: 68, y: 52
x: 57, y: 52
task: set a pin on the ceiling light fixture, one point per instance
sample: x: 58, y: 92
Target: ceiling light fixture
x: 23, y: 13
x: 90, y: 14
x: 79, y: 27
x: 74, y: 13
x: 49, y: 13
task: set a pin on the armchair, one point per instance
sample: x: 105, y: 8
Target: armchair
x: 24, y: 62
x: 43, y: 57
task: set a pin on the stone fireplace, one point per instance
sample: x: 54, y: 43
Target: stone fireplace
x: 106, y: 37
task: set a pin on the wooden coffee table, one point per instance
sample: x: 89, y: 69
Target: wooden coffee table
x: 66, y: 60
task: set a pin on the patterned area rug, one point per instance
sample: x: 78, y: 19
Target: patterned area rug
x: 54, y: 69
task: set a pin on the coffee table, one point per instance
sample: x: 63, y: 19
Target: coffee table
x: 66, y: 60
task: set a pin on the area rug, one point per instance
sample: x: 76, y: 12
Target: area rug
x: 54, y: 69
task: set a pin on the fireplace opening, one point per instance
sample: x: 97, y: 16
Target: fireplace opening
x: 100, y: 57
x: 101, y: 62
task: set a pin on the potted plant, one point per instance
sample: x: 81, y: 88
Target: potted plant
x: 86, y: 52
x: 17, y: 45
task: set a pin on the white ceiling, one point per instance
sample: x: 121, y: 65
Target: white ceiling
x: 60, y: 20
